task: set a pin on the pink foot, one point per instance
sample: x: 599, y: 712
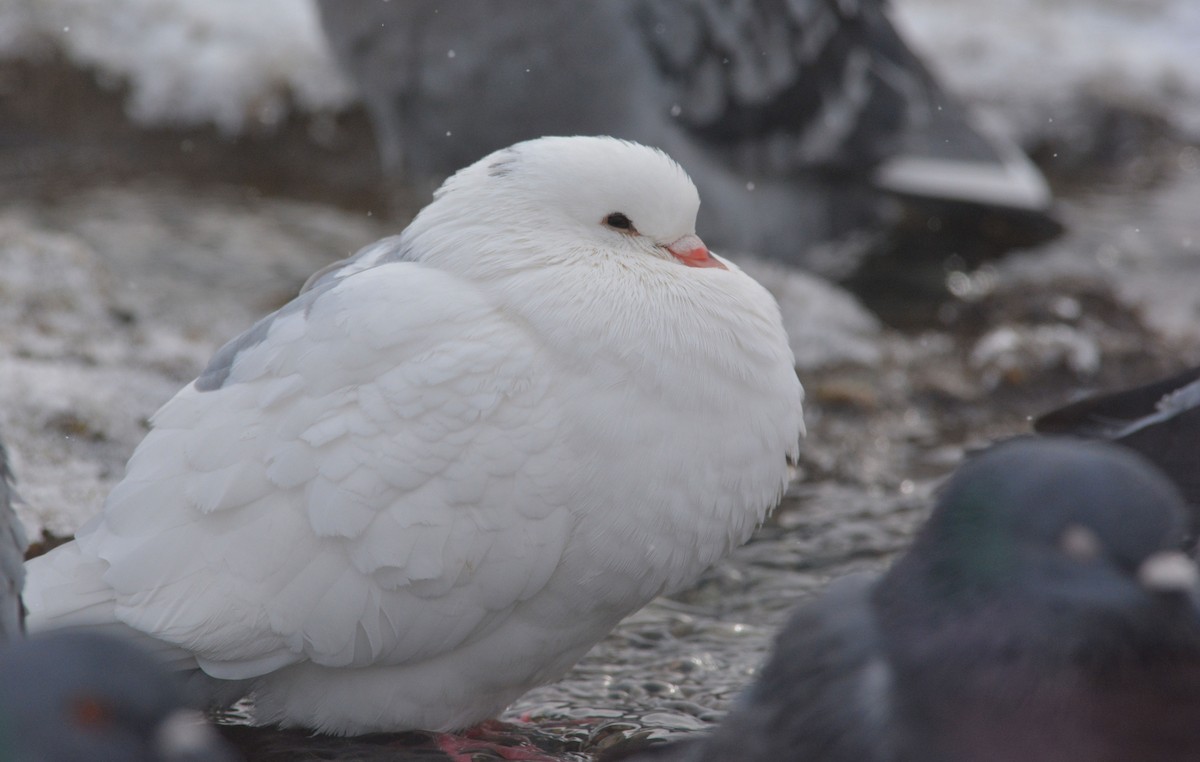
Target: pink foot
x: 491, y: 736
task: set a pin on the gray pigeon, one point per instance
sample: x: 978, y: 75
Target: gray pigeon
x: 12, y: 555
x: 71, y: 695
x: 795, y: 118
x: 1043, y: 613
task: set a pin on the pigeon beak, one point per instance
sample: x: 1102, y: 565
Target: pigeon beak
x: 691, y: 251
x: 1169, y: 571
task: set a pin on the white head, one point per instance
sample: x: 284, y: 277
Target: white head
x: 556, y: 199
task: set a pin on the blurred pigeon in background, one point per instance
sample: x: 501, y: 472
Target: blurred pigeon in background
x: 1160, y: 420
x: 12, y: 555
x: 797, y: 119
x: 70, y: 696
x: 1043, y: 613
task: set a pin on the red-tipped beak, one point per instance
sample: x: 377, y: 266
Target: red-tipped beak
x: 691, y: 251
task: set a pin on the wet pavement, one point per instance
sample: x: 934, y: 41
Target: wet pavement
x: 127, y: 257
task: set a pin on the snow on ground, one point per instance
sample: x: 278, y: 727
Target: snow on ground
x: 1033, y: 59
x: 238, y: 64
x: 114, y: 298
x: 1147, y: 246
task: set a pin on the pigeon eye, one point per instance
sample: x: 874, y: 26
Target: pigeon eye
x: 91, y: 713
x: 619, y: 221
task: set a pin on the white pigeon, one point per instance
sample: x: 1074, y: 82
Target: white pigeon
x: 454, y: 462
x: 798, y: 119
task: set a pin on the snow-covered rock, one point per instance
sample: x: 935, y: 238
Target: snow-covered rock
x: 239, y: 65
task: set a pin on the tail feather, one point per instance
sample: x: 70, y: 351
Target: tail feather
x: 996, y: 173
x: 65, y: 589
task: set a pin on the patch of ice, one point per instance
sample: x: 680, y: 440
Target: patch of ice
x: 1010, y: 353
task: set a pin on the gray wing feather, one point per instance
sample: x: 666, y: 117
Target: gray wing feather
x: 216, y: 374
x: 814, y: 82
x: 784, y: 86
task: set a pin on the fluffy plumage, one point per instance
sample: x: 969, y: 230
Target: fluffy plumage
x: 457, y: 459
x: 792, y: 116
x: 1043, y: 613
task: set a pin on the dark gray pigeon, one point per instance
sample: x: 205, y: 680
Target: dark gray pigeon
x: 1042, y: 614
x: 793, y: 117
x: 1160, y: 420
x: 12, y: 555
x: 70, y: 696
